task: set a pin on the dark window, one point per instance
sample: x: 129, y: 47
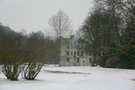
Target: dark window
x: 78, y: 60
x: 78, y: 53
x: 68, y: 59
x: 67, y: 53
x: 71, y: 53
x: 81, y: 53
x: 74, y: 53
x: 90, y: 60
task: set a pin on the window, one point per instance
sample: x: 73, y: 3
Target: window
x: 74, y: 53
x: 83, y: 61
x: 68, y: 59
x: 90, y: 60
x: 78, y: 53
x: 81, y: 53
x: 78, y: 60
x: 67, y: 53
x: 71, y: 53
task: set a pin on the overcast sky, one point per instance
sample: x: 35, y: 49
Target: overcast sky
x: 33, y: 15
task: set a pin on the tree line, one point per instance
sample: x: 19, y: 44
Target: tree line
x: 109, y: 32
x: 21, y: 53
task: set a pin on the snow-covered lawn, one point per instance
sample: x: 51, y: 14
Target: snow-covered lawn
x: 74, y: 78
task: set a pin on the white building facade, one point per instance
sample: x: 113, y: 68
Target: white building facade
x: 72, y: 56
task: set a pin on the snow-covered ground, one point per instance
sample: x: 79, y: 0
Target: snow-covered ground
x: 74, y: 78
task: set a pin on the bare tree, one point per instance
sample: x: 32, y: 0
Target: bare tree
x: 61, y: 24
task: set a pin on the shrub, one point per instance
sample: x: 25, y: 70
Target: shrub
x: 31, y: 70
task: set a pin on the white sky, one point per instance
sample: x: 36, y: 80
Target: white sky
x: 33, y: 15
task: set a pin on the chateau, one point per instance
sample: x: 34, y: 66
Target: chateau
x: 72, y: 56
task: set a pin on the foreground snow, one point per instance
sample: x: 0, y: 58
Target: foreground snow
x: 74, y: 78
